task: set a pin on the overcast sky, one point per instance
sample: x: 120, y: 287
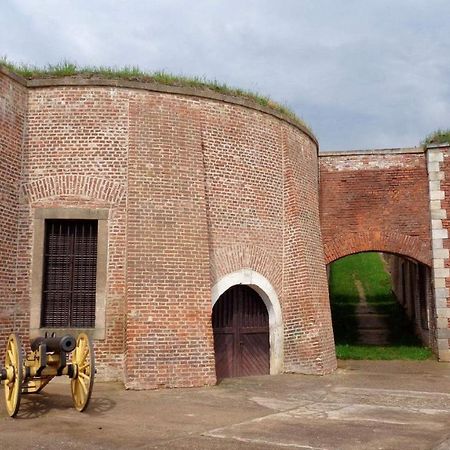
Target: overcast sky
x: 361, y: 73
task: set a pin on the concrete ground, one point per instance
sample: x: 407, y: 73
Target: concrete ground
x: 364, y: 405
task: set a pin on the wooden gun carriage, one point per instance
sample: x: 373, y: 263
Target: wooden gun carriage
x: 49, y: 357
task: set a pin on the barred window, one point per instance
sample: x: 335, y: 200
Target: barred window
x: 69, y: 273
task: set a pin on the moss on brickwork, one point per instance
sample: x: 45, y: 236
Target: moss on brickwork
x: 134, y: 73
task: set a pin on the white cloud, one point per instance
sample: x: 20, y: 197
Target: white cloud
x: 363, y: 74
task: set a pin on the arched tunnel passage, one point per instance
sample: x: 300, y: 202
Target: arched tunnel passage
x: 380, y: 299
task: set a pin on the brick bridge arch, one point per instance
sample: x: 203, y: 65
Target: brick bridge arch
x: 389, y: 242
x: 375, y: 201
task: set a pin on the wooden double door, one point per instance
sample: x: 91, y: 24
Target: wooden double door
x: 241, y: 333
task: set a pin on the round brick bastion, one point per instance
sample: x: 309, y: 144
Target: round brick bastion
x: 194, y: 192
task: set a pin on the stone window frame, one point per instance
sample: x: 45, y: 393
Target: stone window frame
x: 37, y: 268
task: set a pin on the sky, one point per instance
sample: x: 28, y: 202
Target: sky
x: 361, y: 73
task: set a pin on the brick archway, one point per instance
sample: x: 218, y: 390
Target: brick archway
x: 75, y: 186
x: 226, y: 260
x: 266, y: 291
x: 379, y: 241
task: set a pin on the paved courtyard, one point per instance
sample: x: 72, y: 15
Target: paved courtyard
x: 364, y: 405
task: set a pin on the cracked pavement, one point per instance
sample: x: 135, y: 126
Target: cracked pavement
x: 370, y: 405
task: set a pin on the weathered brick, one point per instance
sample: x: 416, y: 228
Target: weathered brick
x: 196, y: 188
x: 375, y: 201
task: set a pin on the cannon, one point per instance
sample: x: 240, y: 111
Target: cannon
x: 48, y: 358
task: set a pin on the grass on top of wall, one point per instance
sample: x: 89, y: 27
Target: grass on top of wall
x: 438, y: 137
x: 134, y: 73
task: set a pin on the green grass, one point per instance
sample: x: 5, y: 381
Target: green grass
x: 369, y: 269
x: 371, y: 352
x: 375, y: 280
x: 437, y: 137
x: 344, y: 299
x: 134, y: 73
x: 342, y: 280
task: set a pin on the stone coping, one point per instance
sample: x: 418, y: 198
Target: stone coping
x: 434, y: 146
x: 84, y: 81
x: 375, y: 151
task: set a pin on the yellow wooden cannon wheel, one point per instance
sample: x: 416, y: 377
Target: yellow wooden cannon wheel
x: 14, y: 371
x: 84, y: 366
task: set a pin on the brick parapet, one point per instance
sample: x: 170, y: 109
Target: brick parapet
x: 200, y: 92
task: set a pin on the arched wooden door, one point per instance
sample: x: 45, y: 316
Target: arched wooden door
x: 241, y: 333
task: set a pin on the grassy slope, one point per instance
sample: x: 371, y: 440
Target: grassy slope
x: 66, y: 69
x: 344, y: 298
x: 369, y: 269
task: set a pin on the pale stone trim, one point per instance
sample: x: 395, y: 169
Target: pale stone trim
x: 435, y: 157
x: 101, y: 215
x: 264, y: 288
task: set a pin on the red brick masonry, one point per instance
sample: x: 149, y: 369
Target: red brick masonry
x: 375, y: 201
x: 198, y: 185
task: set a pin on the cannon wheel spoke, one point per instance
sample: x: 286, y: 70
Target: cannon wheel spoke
x: 13, y: 364
x: 82, y: 384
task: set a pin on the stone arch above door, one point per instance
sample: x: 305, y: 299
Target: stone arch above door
x: 267, y: 293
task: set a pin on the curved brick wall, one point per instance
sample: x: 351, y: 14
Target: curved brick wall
x: 197, y: 186
x: 13, y: 111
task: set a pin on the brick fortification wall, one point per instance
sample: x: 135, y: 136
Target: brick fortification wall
x: 196, y: 188
x: 75, y: 156
x: 263, y: 213
x: 13, y: 111
x: 380, y: 201
x: 305, y: 277
x: 169, y: 336
x: 375, y: 201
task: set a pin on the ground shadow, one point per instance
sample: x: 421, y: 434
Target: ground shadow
x: 364, y: 308
x: 33, y: 406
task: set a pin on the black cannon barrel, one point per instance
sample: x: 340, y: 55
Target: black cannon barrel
x: 55, y: 344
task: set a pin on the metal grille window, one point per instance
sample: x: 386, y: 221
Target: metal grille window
x: 70, y: 267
